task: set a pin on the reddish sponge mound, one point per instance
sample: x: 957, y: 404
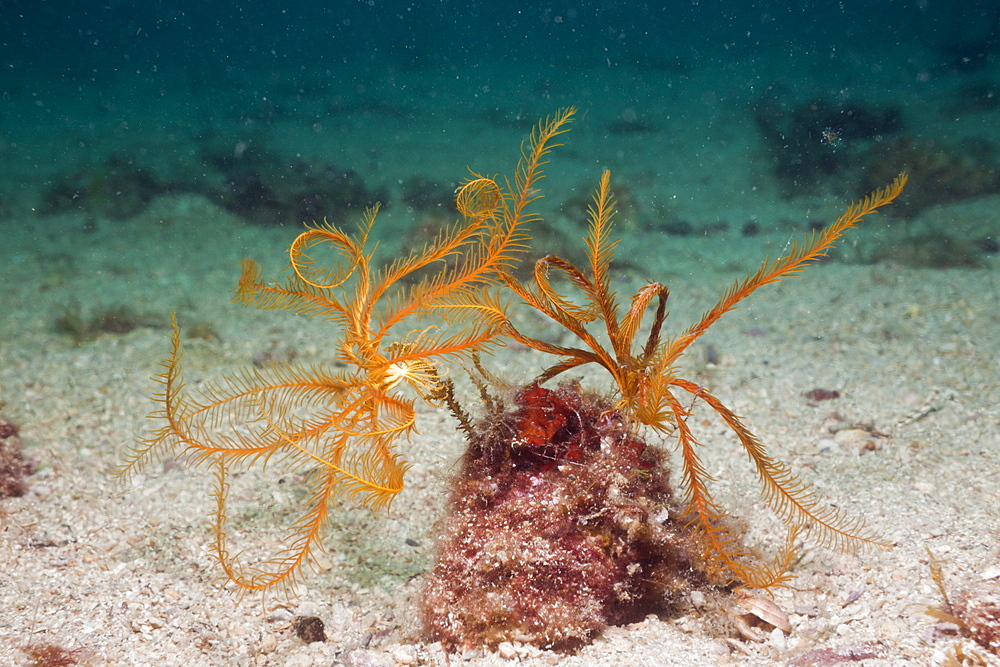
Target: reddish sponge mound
x: 561, y: 523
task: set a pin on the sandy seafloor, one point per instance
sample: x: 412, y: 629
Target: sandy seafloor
x: 123, y: 573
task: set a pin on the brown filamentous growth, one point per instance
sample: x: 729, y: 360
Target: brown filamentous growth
x: 975, y: 611
x: 979, y: 611
x: 562, y: 522
x: 14, y: 467
x: 52, y: 655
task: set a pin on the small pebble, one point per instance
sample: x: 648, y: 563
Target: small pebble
x: 309, y: 629
x: 711, y: 356
x: 472, y: 654
x: 268, y: 643
x: 361, y: 658
x: 718, y: 648
x: 852, y: 437
x: 300, y: 660
x: 854, y: 595
x: 822, y: 394
x: 507, y: 650
x: 322, y: 561
x: 403, y: 655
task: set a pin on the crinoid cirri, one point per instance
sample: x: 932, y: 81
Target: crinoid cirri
x: 562, y: 517
x: 342, y: 422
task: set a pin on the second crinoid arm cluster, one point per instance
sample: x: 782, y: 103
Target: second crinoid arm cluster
x: 650, y: 390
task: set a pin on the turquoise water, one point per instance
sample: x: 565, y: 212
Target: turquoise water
x: 169, y: 140
x: 710, y: 116
x: 146, y: 148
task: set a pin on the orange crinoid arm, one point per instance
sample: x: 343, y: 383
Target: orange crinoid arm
x: 802, y: 254
x: 647, y: 378
x: 336, y: 425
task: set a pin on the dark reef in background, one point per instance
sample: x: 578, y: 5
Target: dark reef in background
x: 267, y: 190
x: 255, y: 185
x: 116, y: 188
x: 424, y: 194
x: 811, y: 141
x: 940, y: 173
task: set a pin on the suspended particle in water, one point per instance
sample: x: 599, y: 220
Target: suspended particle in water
x: 831, y: 137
